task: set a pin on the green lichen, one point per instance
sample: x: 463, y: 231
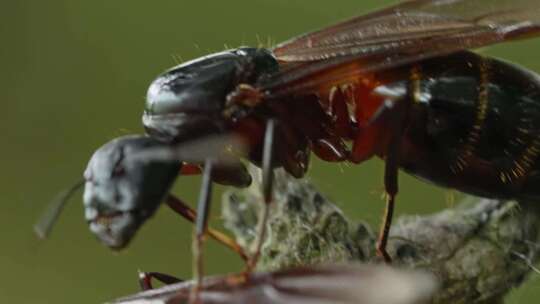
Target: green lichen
x: 303, y: 229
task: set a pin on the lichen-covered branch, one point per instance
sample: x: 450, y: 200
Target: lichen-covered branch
x: 478, y: 250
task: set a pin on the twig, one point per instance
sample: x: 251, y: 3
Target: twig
x: 478, y: 250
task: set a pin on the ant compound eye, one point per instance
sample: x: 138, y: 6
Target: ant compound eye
x: 119, y: 171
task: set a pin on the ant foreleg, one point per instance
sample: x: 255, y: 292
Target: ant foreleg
x: 267, y: 188
x: 201, y: 227
x: 186, y: 212
x: 145, y: 279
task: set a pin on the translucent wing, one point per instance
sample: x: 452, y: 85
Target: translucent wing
x: 413, y: 24
x: 367, y: 284
x: 404, y: 33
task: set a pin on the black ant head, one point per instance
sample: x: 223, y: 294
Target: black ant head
x: 121, y: 191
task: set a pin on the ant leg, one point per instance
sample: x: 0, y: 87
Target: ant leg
x: 186, y: 212
x: 267, y: 187
x: 190, y: 169
x: 201, y: 227
x: 391, y: 188
x: 391, y: 178
x: 145, y: 279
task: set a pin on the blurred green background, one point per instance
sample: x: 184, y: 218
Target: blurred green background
x: 74, y: 75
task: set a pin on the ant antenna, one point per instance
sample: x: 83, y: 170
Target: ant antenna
x: 46, y: 222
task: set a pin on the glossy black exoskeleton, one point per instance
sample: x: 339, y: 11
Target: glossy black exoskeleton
x: 188, y: 100
x: 397, y: 83
x: 474, y: 126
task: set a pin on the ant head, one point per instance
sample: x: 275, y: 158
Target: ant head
x: 121, y: 191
